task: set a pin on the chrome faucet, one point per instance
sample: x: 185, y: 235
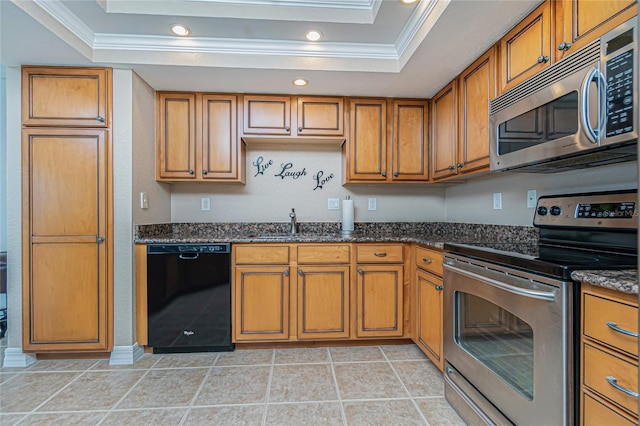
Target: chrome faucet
x: 294, y: 224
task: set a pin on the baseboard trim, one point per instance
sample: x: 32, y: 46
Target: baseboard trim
x: 14, y: 357
x: 125, y: 355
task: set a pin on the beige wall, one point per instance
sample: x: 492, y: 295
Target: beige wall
x: 268, y: 198
x: 473, y: 201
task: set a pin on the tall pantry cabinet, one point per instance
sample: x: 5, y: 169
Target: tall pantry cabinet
x: 67, y: 209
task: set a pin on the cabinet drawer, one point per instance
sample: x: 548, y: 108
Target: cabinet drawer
x: 379, y: 253
x: 599, y: 311
x: 261, y: 255
x: 323, y: 253
x: 596, y: 413
x: 429, y: 260
x: 598, y: 365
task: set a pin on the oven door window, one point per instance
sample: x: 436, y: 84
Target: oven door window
x: 548, y: 122
x: 496, y: 338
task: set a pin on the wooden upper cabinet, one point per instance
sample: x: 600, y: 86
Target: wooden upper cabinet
x: 176, y: 136
x: 476, y: 87
x: 579, y: 22
x: 221, y: 147
x: 367, y: 144
x: 526, y: 49
x: 409, y: 152
x: 320, y: 116
x: 267, y: 115
x: 444, y: 133
x: 68, y: 97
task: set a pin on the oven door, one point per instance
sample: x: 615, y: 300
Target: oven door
x: 509, y: 334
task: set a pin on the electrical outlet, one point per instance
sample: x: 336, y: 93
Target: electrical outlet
x: 144, y: 201
x: 333, y: 204
x: 497, y: 200
x: 373, y: 204
x: 205, y: 204
x: 532, y: 198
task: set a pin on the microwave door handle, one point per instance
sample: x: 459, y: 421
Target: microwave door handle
x: 602, y: 102
x: 584, y: 113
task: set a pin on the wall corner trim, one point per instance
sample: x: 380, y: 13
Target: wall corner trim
x: 125, y: 355
x: 14, y: 357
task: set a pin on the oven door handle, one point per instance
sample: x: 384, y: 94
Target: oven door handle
x: 534, y: 294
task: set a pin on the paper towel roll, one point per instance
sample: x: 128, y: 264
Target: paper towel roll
x: 347, y: 215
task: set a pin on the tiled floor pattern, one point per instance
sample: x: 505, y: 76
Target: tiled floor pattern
x: 372, y: 385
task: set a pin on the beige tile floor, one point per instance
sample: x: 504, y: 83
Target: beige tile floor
x: 373, y: 385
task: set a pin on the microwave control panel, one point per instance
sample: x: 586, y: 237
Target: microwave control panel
x: 620, y: 94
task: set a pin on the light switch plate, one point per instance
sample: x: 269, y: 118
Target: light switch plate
x: 373, y: 204
x: 205, y: 204
x: 532, y: 198
x: 333, y: 204
x: 144, y: 201
x: 497, y: 200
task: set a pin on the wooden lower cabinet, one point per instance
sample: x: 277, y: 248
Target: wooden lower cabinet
x: 379, y: 301
x: 608, y: 357
x: 261, y: 303
x: 428, y: 303
x: 323, y: 302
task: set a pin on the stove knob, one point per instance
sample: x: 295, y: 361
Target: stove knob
x: 542, y: 211
x: 555, y: 210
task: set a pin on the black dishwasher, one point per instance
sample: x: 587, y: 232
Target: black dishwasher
x: 189, y: 297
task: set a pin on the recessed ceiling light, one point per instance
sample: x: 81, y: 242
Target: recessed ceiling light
x: 180, y: 30
x: 408, y: 1
x: 300, y: 82
x: 313, y: 35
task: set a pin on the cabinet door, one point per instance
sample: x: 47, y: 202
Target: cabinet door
x: 267, y: 115
x: 323, y: 302
x: 261, y: 303
x: 176, y: 136
x: 429, y: 317
x: 526, y: 49
x: 367, y: 152
x: 476, y: 88
x: 220, y: 144
x: 379, y: 301
x: 320, y: 116
x: 69, y: 97
x: 409, y: 155
x: 579, y: 22
x: 444, y: 133
x: 66, y: 294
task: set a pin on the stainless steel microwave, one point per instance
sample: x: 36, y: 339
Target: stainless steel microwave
x: 580, y: 112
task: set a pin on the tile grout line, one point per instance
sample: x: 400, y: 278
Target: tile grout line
x: 335, y: 381
x: 129, y: 391
x: 268, y: 394
x: 415, y: 405
x: 195, y: 396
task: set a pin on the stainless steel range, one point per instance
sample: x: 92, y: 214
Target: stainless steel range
x: 511, y: 311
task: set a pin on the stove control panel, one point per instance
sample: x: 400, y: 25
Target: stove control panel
x: 600, y: 210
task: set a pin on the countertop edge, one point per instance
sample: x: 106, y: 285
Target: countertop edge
x: 624, y: 281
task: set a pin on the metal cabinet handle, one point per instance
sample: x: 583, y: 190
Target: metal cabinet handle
x: 425, y: 260
x: 100, y: 119
x: 451, y: 168
x: 287, y: 128
x: 204, y: 172
x: 396, y: 174
x: 564, y: 46
x: 460, y: 165
x: 380, y: 254
x: 360, y: 271
x: 384, y: 174
x: 99, y: 240
x: 543, y: 59
x: 299, y: 129
x: 439, y: 288
x: 191, y: 172
x: 286, y: 273
x: 612, y: 325
x: 614, y: 382
x: 300, y: 272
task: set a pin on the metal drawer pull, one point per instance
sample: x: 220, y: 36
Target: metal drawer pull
x: 425, y: 260
x: 380, y: 254
x: 612, y: 325
x: 614, y: 382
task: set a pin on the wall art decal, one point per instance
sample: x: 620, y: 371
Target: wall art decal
x: 284, y: 173
x: 320, y: 181
x: 261, y: 165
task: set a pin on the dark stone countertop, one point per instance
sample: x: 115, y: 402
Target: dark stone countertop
x: 625, y: 281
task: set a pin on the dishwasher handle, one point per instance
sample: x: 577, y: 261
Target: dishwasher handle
x: 184, y: 256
